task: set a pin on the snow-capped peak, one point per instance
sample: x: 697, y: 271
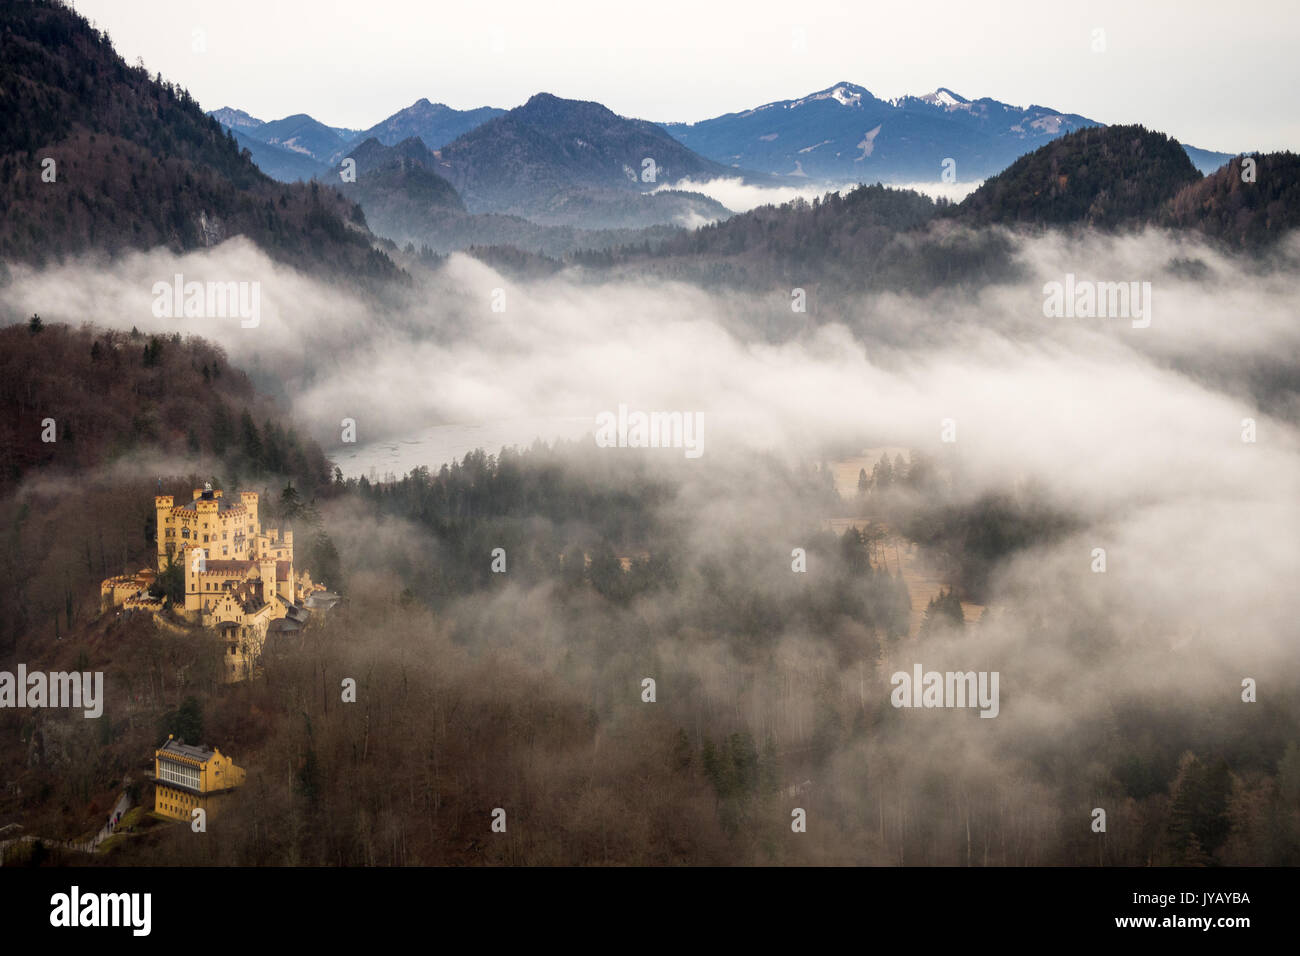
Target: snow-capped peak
x: 946, y: 98
x: 846, y: 94
x: 229, y: 116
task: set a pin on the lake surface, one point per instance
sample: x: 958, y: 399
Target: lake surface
x: 442, y: 444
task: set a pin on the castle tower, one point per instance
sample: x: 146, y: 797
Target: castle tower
x: 207, y: 506
x: 266, y: 570
x: 189, y: 554
x: 163, y: 508
x: 249, y: 499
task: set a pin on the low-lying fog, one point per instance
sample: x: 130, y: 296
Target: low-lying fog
x: 1137, y: 431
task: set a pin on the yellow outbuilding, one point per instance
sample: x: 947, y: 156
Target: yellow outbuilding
x: 186, y: 777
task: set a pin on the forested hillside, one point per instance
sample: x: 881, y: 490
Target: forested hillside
x: 1244, y: 214
x: 98, y: 156
x: 83, y: 412
x: 1103, y: 177
x: 110, y: 393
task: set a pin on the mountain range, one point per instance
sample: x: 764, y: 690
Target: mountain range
x: 407, y: 201
x: 557, y: 162
x: 561, y: 161
x: 300, y: 147
x: 845, y: 134
x: 1105, y: 179
x: 140, y: 166
x: 435, y: 124
x: 579, y: 167
x: 842, y: 134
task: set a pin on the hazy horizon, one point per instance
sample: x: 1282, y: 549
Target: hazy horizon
x: 1183, y: 69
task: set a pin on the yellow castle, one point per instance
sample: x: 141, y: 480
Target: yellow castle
x: 239, y: 578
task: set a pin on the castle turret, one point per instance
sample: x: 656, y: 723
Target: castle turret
x: 163, y: 508
x: 195, y: 561
x: 249, y: 498
x: 266, y: 570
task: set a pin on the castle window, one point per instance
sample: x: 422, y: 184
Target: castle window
x: 178, y: 773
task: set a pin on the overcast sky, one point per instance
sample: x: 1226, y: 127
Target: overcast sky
x: 1214, y: 75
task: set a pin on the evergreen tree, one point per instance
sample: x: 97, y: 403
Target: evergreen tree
x: 882, y: 475
x: 251, y: 440
x: 291, y: 506
x: 943, y: 610
x: 186, y: 722
x: 170, y: 584
x: 223, y: 430
x: 323, y: 561
x: 1198, y: 810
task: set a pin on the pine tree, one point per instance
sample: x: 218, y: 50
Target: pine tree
x: 186, y: 722
x: 1198, y: 810
x: 251, y: 439
x: 943, y: 610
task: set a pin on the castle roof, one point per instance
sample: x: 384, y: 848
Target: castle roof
x: 228, y: 566
x: 248, y: 596
x: 177, y: 749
